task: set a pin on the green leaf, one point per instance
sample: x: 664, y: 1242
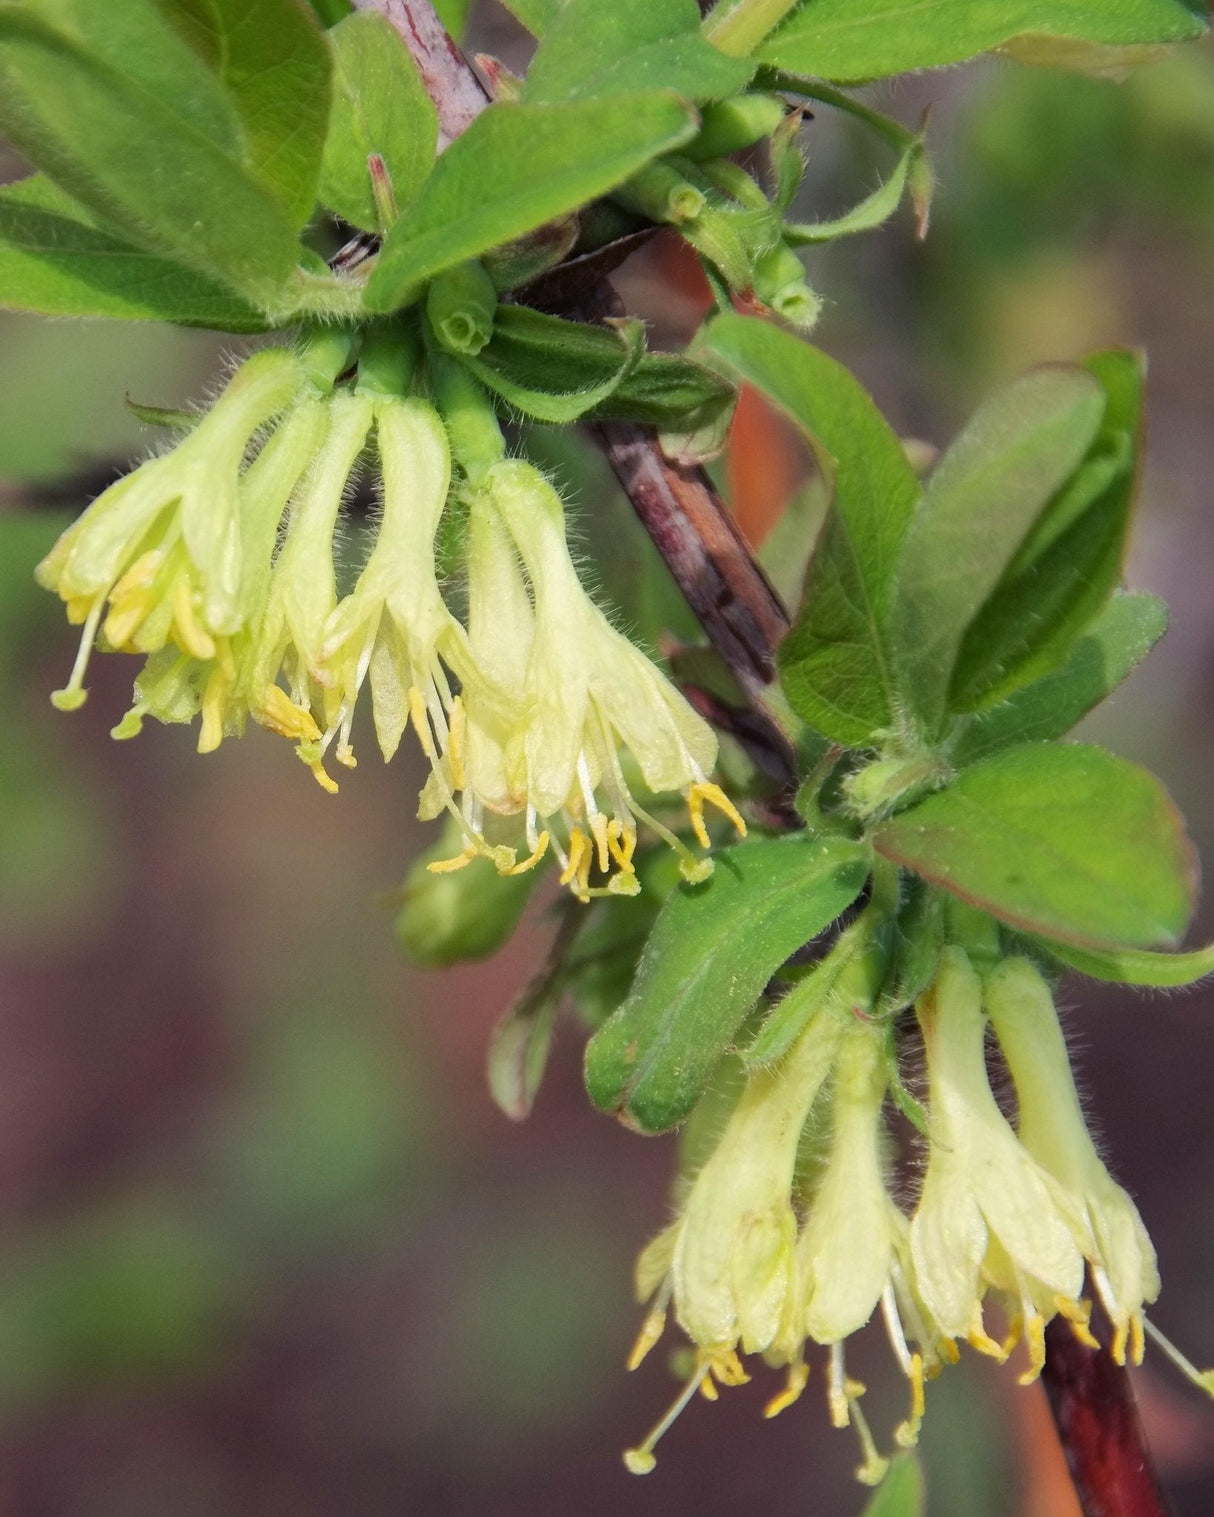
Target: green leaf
x: 790, y: 1016
x: 592, y: 49
x: 868, y: 39
x: 380, y: 105
x: 712, y: 951
x: 868, y: 213
x: 901, y: 1493
x: 979, y: 506
x: 520, y: 1043
x: 536, y: 15
x: 551, y: 369
x: 138, y: 159
x: 1071, y: 561
x: 836, y: 663
x: 271, y: 59
x: 55, y: 260
x: 666, y: 390
x: 1067, y: 841
x: 516, y: 167
x: 1112, y: 647
x: 1137, y: 966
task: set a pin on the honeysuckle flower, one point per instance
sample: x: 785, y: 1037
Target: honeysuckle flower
x: 726, y: 1264
x: 589, y: 692
x: 174, y: 685
x: 162, y: 546
x: 1051, y: 1127
x: 988, y: 1212
x: 302, y: 593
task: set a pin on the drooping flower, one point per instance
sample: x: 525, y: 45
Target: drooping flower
x: 588, y: 694
x: 1051, y: 1128
x: 303, y: 592
x: 852, y: 1253
x: 162, y: 547
x: 988, y: 1214
x: 726, y: 1264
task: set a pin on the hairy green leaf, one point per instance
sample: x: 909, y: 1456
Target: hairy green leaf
x: 55, y: 259
x: 516, y: 167
x: 868, y: 39
x: 137, y: 159
x: 978, y: 507
x: 1071, y: 561
x: 271, y: 59
x: 1136, y: 966
x: 1067, y: 841
x: 836, y: 663
x: 1111, y: 648
x: 380, y: 105
x: 711, y: 952
x: 595, y: 49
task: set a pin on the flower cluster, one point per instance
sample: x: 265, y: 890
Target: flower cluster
x: 218, y: 561
x: 768, y: 1254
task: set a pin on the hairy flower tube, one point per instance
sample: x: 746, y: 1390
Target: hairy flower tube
x: 163, y: 546
x: 587, y: 694
x: 726, y: 1264
x: 989, y: 1214
x: 1052, y: 1129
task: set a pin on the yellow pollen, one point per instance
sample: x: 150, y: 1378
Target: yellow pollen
x: 1079, y: 1315
x: 277, y: 711
x: 449, y: 866
x: 1120, y: 1338
x: 455, y: 743
x: 622, y: 841
x: 541, y: 848
x: 577, y: 871
x: 702, y: 792
x: 598, y: 826
x: 1034, y: 1342
x: 798, y: 1375
x: 652, y: 1329
x: 191, y: 637
x: 727, y: 1367
x: 344, y: 754
x: 421, y: 723
x: 977, y: 1337
x: 210, y: 734
x: 708, y: 1389
x: 1138, y: 1342
x: 323, y: 779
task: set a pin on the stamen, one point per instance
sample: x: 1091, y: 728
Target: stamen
x: 1079, y: 1315
x: 537, y: 853
x: 449, y: 866
x: 210, y: 734
x: 798, y: 1377
x: 893, y: 1328
x: 652, y: 1329
x: 455, y: 744
x: 73, y: 695
x: 727, y: 1367
x: 702, y: 792
x: 1034, y: 1342
x: 1202, y: 1379
x: 692, y: 869
x: 836, y: 1388
x: 191, y: 637
x: 640, y: 1460
x: 906, y: 1434
x: 598, y: 826
x: 977, y: 1337
x: 579, y: 844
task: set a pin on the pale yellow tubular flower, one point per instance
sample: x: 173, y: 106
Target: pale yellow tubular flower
x: 163, y: 544
x: 1052, y: 1129
x: 175, y: 686
x: 986, y: 1204
x: 726, y: 1265
x: 303, y: 592
x: 590, y: 693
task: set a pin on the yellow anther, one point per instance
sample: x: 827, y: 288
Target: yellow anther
x: 533, y: 858
x: 1121, y: 1336
x: 457, y: 730
x: 191, y: 637
x: 598, y: 826
x: 139, y: 576
x: 449, y: 866
x: 1138, y: 1341
x: 421, y: 723
x: 579, y: 845
x: 798, y: 1376
x: 906, y: 1434
x: 703, y: 792
x: 125, y: 617
x: 979, y: 1338
x: 622, y: 841
x: 277, y: 711
x: 652, y: 1329
x: 344, y: 754
x: 727, y: 1367
x: 324, y: 780
x: 709, y: 1390
x: 79, y: 607
x: 1079, y: 1315
x: 1034, y: 1342
x: 210, y: 733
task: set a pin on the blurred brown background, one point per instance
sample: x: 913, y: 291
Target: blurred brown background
x: 267, y: 1246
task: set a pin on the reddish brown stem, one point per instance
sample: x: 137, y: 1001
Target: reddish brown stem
x: 1097, y: 1421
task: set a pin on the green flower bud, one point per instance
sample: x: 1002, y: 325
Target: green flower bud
x: 460, y: 306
